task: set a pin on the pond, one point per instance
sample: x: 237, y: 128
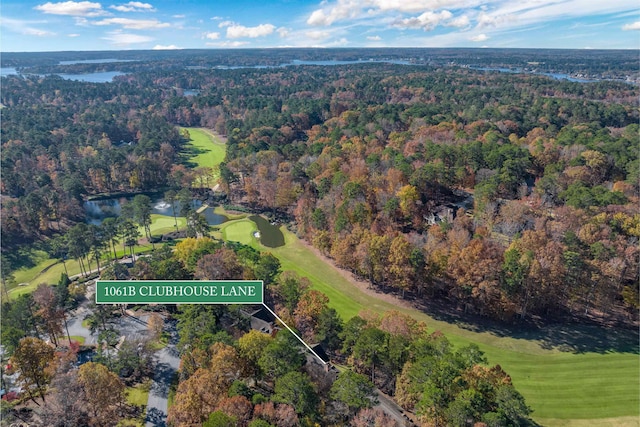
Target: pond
x: 270, y: 235
x: 98, y: 210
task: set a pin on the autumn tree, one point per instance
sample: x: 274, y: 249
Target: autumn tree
x: 223, y: 264
x: 49, y: 311
x: 34, y: 361
x: 373, y: 417
x: 202, y: 392
x: 104, y: 393
x: 252, y: 345
x: 66, y: 406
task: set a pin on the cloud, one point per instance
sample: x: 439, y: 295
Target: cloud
x: 134, y: 24
x: 212, y: 36
x: 163, y: 47
x: 318, y: 35
x: 179, y: 16
x: 374, y: 38
x: 25, y: 27
x: 124, y: 39
x: 217, y: 18
x: 72, y: 8
x: 36, y: 32
x: 283, y: 32
x: 631, y: 27
x: 427, y: 21
x: 240, y: 31
x: 479, y: 38
x: 134, y: 6
x: 353, y: 9
x: 224, y: 24
x: 459, y: 22
x: 73, y: 35
x: 228, y: 44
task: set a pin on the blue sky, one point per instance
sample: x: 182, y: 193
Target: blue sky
x: 27, y: 25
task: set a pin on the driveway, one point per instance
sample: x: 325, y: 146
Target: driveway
x: 166, y: 367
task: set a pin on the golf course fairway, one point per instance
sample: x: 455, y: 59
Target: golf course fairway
x: 564, y: 381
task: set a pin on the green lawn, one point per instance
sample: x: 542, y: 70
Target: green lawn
x: 205, y: 149
x: 48, y: 270
x: 564, y: 388
x: 139, y: 394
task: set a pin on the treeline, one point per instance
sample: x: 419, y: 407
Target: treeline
x: 512, y: 195
x: 231, y: 374
x: 63, y: 141
x: 618, y: 64
x: 531, y: 181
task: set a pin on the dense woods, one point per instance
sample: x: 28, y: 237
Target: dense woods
x: 510, y: 194
x: 507, y: 196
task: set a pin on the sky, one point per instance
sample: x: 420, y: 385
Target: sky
x: 32, y: 26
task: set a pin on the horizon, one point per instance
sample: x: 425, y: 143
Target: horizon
x: 30, y: 26
x: 319, y: 48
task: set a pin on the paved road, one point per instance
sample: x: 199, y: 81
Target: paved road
x: 166, y: 367
x: 392, y: 409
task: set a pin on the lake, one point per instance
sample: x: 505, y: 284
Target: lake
x: 101, y: 77
x: 557, y: 76
x: 270, y: 235
x: 8, y: 71
x: 98, y: 210
x: 96, y: 61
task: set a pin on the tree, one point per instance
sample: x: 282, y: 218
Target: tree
x: 66, y: 406
x: 237, y: 407
x: 252, y: 345
x: 308, y: 310
x: 353, y: 390
x: 110, y: 232
x: 49, y: 311
x: 104, y: 393
x: 268, y: 268
x: 223, y: 264
x: 371, y: 348
x: 197, y: 225
x: 203, y: 391
x: 290, y: 288
x: 282, y: 355
x: 156, y: 325
x: 295, y: 389
x: 220, y: 419
x: 142, y: 214
x: 170, y: 196
x: 77, y: 239
x: 373, y: 418
x: 130, y: 234
x: 33, y: 359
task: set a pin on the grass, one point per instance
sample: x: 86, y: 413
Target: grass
x: 78, y: 338
x: 139, y: 394
x: 48, y: 270
x: 594, y: 384
x: 205, y: 149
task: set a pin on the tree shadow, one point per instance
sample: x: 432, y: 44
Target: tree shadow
x: 162, y: 380
x: 156, y: 418
x: 564, y: 334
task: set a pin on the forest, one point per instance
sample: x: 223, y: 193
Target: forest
x: 508, y: 197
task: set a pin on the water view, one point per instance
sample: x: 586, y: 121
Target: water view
x: 98, y: 210
x: 268, y: 234
x: 101, y: 77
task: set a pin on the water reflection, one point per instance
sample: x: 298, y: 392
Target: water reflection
x: 270, y: 235
x: 98, y: 210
